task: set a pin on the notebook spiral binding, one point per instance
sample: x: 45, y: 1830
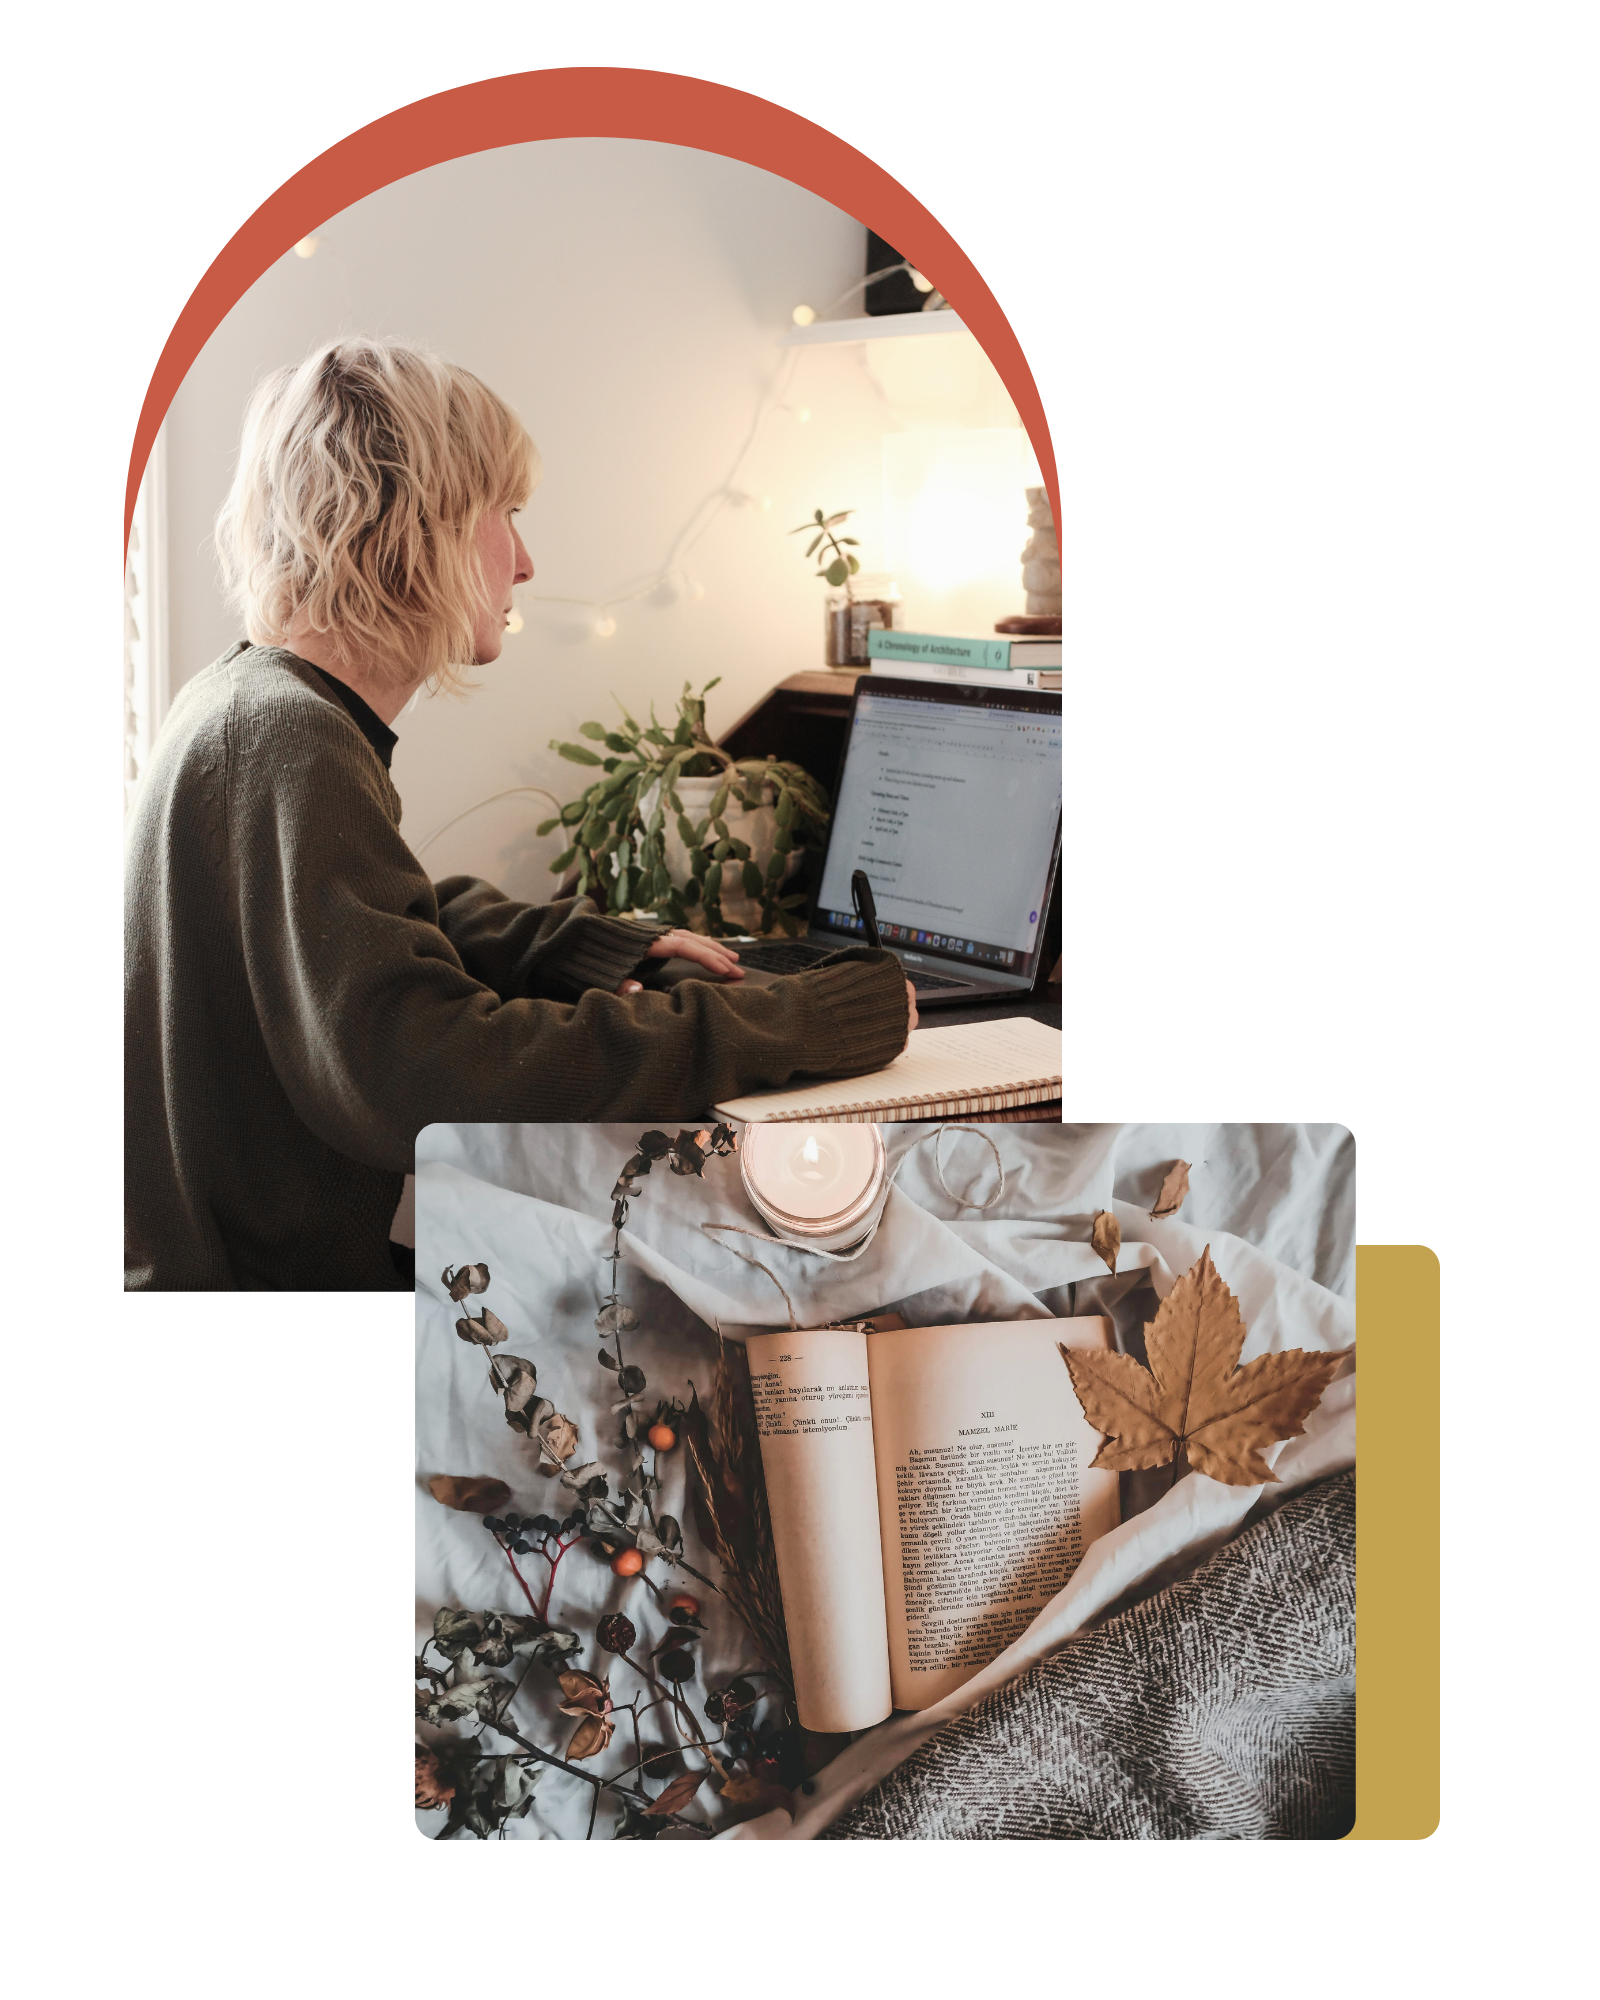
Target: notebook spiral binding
x: 1040, y: 1090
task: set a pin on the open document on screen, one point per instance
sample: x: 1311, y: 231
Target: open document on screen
x: 951, y: 809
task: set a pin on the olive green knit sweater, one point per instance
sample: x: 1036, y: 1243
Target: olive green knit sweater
x: 301, y: 1000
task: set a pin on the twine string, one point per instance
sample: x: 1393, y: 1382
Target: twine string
x: 961, y: 1200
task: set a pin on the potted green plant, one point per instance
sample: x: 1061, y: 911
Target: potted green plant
x: 676, y: 826
x: 852, y: 609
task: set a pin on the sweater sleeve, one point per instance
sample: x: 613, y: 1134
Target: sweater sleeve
x: 527, y: 951
x: 376, y: 1027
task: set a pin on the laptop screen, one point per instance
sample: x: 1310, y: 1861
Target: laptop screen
x: 952, y: 807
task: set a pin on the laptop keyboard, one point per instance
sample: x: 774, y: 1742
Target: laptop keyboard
x: 800, y: 957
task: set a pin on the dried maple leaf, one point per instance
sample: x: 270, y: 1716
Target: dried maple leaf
x: 1173, y: 1190
x: 1105, y: 1239
x: 470, y: 1496
x: 1194, y: 1393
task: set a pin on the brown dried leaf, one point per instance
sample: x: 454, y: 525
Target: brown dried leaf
x: 677, y: 1795
x: 469, y: 1496
x: 590, y: 1737
x: 470, y: 1278
x: 483, y: 1332
x: 749, y: 1798
x: 1194, y: 1393
x: 1105, y: 1239
x: 1173, y: 1190
x: 559, y: 1438
x: 517, y: 1380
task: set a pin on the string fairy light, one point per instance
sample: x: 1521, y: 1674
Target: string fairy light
x: 672, y: 580
x: 673, y: 577
x: 807, y: 316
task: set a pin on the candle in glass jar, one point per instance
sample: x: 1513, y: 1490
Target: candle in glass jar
x: 817, y: 1184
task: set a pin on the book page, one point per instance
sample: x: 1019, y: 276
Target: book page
x: 814, y: 1416
x: 1016, y: 1060
x: 986, y: 1494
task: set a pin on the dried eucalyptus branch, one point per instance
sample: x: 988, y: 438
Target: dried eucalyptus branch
x: 759, y: 1756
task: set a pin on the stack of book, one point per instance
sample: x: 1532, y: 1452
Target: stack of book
x: 943, y: 656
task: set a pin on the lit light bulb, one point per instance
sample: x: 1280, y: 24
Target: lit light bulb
x: 605, y: 625
x: 306, y: 247
x: 695, y: 589
x: 922, y: 284
x: 513, y: 620
x: 765, y: 503
x: 802, y: 315
x: 802, y: 416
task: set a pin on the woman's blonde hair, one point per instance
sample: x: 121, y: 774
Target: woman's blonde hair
x: 363, y: 475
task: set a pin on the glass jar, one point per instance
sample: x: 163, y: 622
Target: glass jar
x: 869, y: 603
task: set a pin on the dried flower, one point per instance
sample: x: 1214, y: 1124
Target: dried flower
x: 470, y: 1278
x: 434, y: 1786
x: 589, y: 1699
x: 615, y: 1632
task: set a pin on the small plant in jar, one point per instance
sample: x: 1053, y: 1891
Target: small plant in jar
x: 864, y: 607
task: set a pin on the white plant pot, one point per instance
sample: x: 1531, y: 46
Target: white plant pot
x: 758, y: 829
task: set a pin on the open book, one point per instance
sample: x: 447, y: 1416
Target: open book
x: 930, y: 1491
x: 959, y: 1072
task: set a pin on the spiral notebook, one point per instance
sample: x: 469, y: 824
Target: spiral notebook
x: 970, y: 1071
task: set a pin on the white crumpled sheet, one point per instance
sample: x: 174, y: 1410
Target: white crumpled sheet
x: 1275, y: 1203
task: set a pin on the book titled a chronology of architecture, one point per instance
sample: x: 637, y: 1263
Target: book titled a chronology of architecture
x: 930, y: 1491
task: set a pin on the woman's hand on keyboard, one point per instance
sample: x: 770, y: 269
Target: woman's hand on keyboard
x: 712, y: 953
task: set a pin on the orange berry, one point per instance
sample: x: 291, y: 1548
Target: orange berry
x: 627, y: 1562
x: 684, y: 1602
x: 662, y: 1436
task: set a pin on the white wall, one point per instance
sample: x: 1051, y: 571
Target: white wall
x: 627, y: 298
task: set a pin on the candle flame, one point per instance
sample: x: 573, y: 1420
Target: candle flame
x: 808, y: 1152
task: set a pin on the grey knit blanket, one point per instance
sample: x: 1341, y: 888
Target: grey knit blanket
x: 1221, y: 1708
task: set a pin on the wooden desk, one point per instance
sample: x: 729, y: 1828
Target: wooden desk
x: 802, y: 720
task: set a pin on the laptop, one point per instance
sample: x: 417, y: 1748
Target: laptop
x: 949, y: 799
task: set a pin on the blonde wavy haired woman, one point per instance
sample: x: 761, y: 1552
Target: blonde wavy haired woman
x: 300, y: 999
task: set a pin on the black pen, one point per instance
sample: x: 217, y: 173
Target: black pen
x: 866, y: 909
